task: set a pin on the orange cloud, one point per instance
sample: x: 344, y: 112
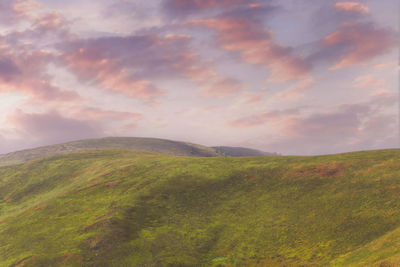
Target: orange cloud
x: 351, y: 7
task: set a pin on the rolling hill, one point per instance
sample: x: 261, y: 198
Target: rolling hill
x: 241, y: 152
x: 132, y: 208
x: 135, y: 143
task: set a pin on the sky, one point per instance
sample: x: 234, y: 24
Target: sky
x: 297, y: 77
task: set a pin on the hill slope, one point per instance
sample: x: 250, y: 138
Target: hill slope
x: 241, y: 152
x: 136, y: 143
x: 127, y: 208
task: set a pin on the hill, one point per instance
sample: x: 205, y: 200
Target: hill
x: 130, y: 208
x: 241, y: 152
x: 135, y: 143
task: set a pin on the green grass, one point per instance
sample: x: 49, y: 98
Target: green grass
x: 156, y: 145
x: 130, y: 208
x: 175, y: 148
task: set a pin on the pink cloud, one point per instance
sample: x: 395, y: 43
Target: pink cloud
x: 271, y: 118
x: 256, y: 45
x: 296, y: 91
x: 361, y: 42
x: 130, y: 65
x: 25, y: 73
x: 366, y: 81
x: 224, y: 88
x: 252, y: 98
x: 107, y: 73
x: 189, y: 66
x: 25, y: 8
x: 50, y: 21
x: 52, y: 127
x: 343, y: 127
x: 351, y: 7
x: 190, y: 6
x: 96, y: 114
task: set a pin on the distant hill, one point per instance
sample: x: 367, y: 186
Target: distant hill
x: 131, y: 208
x: 175, y: 148
x: 241, y: 152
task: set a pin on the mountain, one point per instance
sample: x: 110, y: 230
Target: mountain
x: 133, y: 208
x: 136, y: 143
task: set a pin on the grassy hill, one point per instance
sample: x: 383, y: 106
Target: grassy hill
x: 135, y: 143
x: 129, y: 208
x: 241, y: 151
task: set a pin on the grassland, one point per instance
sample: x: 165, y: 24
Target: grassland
x: 164, y: 146
x: 129, y: 208
x: 175, y: 148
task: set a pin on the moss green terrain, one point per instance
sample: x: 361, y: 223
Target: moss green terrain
x: 136, y: 143
x: 175, y: 148
x: 128, y: 208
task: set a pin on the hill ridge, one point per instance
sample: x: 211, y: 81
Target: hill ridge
x: 159, y: 145
x: 118, y: 207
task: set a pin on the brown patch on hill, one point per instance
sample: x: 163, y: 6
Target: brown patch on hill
x: 23, y: 261
x: 40, y: 206
x: 112, y: 184
x: 69, y: 258
x: 323, y: 171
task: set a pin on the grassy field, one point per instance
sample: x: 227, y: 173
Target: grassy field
x: 126, y: 208
x: 175, y: 148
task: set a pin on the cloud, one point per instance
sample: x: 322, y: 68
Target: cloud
x: 129, y: 64
x: 30, y: 129
x: 224, y: 88
x: 51, y: 127
x: 119, y: 120
x: 26, y: 73
x: 50, y: 22
x: 294, y: 92
x: 8, y: 69
x: 350, y: 128
x: 182, y: 8
x: 256, y: 45
x: 356, y: 43
x: 344, y: 127
x: 12, y: 11
x: 25, y: 8
x: 271, y: 118
x: 351, y: 7
x: 368, y: 80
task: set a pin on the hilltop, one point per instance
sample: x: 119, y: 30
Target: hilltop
x: 164, y: 146
x: 131, y: 208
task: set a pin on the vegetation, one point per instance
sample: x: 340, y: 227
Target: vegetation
x: 241, y: 151
x: 136, y: 143
x: 130, y: 208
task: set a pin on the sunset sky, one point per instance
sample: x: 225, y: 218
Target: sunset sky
x: 289, y: 76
